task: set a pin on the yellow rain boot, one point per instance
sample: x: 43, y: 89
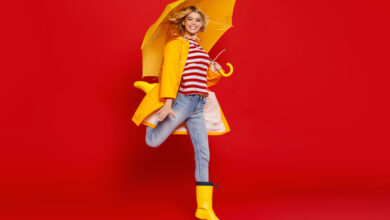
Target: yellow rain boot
x: 204, y: 197
x: 144, y: 86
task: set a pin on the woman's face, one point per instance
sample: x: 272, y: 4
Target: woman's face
x: 192, y: 23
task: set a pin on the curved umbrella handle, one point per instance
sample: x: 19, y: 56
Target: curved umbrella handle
x: 227, y: 74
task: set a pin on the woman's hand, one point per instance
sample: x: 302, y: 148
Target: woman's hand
x: 215, y: 67
x: 165, y: 110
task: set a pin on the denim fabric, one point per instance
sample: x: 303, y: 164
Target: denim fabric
x: 188, y: 109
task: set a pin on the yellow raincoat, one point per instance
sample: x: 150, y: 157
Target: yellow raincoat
x: 175, y: 57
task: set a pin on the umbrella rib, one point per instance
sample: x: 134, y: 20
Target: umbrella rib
x: 219, y: 22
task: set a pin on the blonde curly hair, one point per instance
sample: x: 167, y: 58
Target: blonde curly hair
x: 177, y: 18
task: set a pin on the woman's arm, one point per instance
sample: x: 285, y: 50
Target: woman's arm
x: 170, y: 76
x: 213, y: 76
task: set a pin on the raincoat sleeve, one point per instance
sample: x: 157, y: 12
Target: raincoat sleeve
x: 212, y: 77
x: 170, y: 76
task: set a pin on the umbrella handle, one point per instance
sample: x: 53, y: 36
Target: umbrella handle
x: 227, y: 74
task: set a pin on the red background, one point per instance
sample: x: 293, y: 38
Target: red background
x: 307, y: 105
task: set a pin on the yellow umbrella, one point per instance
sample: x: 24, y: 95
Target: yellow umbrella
x: 220, y: 20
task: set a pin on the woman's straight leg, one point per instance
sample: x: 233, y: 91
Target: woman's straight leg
x: 197, y: 129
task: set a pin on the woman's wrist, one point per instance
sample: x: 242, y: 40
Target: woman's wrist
x: 168, y: 102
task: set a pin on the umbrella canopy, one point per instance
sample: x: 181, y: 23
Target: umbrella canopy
x: 219, y: 12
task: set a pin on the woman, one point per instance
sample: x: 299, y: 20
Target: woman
x: 181, y: 95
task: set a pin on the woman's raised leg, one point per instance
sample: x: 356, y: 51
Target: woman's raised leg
x: 156, y: 136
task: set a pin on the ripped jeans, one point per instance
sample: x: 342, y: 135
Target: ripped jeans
x: 188, y: 109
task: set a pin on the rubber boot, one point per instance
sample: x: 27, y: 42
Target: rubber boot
x: 144, y: 86
x: 204, y: 197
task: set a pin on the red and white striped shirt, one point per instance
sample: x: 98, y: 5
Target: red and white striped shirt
x: 194, y: 78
